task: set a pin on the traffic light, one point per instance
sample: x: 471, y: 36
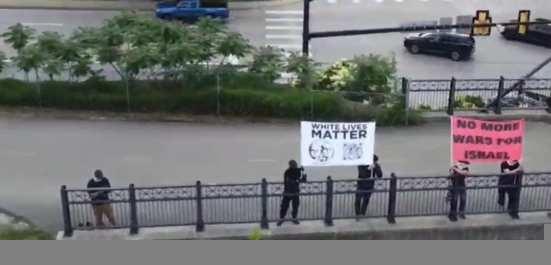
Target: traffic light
x: 523, y: 17
x: 482, y: 18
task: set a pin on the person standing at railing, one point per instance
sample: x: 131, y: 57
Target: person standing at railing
x: 510, y: 183
x: 292, y: 178
x: 100, y: 198
x: 458, y: 190
x: 366, y: 184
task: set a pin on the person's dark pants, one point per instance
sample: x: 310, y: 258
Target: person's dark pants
x: 501, y: 191
x: 287, y: 199
x: 362, y: 201
x: 461, y: 195
x: 514, y: 199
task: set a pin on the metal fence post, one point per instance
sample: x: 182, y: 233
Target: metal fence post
x: 133, y: 210
x: 329, y: 202
x: 67, y: 226
x: 392, y: 199
x: 264, y: 219
x: 500, y: 91
x: 405, y: 92
x: 451, y: 97
x: 200, y: 225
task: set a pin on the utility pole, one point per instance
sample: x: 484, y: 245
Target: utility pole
x: 306, y: 28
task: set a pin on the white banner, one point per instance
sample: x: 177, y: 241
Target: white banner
x: 336, y: 144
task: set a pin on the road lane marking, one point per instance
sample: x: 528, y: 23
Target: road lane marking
x: 262, y: 160
x: 284, y: 12
x: 287, y: 46
x: 288, y: 37
x: 42, y: 24
x: 283, y: 28
x: 284, y: 20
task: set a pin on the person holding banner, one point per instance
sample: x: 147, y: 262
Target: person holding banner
x: 509, y: 184
x: 458, y: 189
x: 292, y: 178
x: 365, y: 185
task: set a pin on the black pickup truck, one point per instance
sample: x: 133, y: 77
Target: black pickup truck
x: 539, y: 34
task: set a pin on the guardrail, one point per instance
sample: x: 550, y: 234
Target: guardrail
x: 200, y: 204
x: 474, y: 94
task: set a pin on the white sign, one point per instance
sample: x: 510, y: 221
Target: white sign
x: 336, y: 144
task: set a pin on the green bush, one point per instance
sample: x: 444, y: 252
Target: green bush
x: 252, y: 99
x: 32, y: 233
x: 469, y: 102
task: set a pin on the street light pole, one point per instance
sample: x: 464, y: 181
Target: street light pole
x: 306, y: 28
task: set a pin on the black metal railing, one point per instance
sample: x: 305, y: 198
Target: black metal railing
x: 200, y: 205
x: 474, y: 94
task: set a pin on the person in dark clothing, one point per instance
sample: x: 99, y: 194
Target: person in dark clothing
x: 365, y: 185
x: 292, y: 178
x: 100, y: 198
x: 457, y: 190
x: 509, y: 184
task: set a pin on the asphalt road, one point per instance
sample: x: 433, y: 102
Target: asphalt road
x: 281, y: 26
x: 38, y: 156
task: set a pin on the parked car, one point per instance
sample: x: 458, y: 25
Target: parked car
x: 192, y: 10
x: 455, y: 46
x: 539, y: 34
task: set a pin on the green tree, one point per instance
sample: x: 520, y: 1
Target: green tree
x: 2, y: 61
x: 268, y: 62
x: 233, y: 44
x: 375, y: 75
x: 304, y: 68
x: 52, y: 46
x: 18, y: 36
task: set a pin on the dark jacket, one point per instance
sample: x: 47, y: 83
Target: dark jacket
x: 512, y: 178
x: 366, y: 181
x: 101, y: 195
x: 292, y: 179
x: 457, y: 179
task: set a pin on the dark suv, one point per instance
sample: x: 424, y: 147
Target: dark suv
x: 538, y: 34
x: 456, y: 46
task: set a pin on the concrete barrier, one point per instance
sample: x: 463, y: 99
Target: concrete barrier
x: 475, y: 227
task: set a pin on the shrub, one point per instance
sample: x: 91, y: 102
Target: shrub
x: 31, y: 233
x: 469, y: 102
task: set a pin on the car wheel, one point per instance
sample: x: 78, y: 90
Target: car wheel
x: 456, y: 56
x: 414, y: 49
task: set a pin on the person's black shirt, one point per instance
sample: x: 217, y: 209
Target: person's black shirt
x: 292, y: 179
x: 364, y: 173
x: 458, y: 179
x: 94, y: 184
x: 510, y: 179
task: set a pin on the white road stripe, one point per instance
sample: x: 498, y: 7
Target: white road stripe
x: 283, y: 28
x: 262, y: 160
x: 287, y: 46
x: 42, y: 24
x: 284, y: 20
x: 291, y: 37
x: 284, y: 12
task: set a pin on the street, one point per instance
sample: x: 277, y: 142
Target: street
x: 281, y: 26
x: 38, y: 156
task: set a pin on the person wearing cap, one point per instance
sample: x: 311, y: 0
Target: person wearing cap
x: 291, y: 188
x: 458, y: 191
x: 509, y: 184
x: 365, y: 185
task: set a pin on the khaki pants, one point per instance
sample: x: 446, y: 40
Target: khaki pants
x: 103, y: 209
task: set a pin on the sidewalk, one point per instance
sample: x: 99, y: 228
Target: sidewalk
x: 145, y: 5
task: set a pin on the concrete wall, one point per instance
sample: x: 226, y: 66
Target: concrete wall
x: 475, y: 227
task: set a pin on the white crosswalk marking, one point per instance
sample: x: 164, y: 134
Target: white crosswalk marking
x: 381, y: 1
x: 291, y: 37
x: 284, y: 20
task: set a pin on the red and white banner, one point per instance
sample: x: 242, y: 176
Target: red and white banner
x: 480, y: 141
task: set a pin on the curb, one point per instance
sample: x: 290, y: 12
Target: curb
x: 245, y: 5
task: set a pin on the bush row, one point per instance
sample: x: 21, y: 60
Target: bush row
x: 170, y: 97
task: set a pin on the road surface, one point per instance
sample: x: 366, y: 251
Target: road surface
x: 282, y: 26
x: 38, y: 156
